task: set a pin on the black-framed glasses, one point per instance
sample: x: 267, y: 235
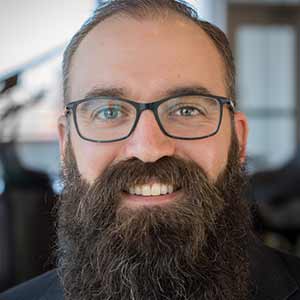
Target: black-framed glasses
x: 109, y: 119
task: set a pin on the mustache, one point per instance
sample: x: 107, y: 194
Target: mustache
x: 167, y: 170
x: 119, y: 177
x: 104, y: 195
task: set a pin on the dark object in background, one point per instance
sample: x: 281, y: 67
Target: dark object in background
x: 6, y: 245
x: 277, y: 196
x: 26, y: 223
x: 28, y: 199
x: 9, y: 82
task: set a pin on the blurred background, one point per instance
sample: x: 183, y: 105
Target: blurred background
x: 265, y: 38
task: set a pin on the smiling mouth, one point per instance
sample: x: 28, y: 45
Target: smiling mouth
x: 148, y: 194
x: 152, y: 189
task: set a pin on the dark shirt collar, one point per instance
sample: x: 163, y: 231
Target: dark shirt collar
x: 270, y: 275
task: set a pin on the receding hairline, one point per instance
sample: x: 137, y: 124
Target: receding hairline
x: 141, y: 14
x: 121, y: 16
x: 164, y: 15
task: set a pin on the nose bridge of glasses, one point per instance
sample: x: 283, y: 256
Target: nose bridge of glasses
x: 141, y: 107
x: 146, y: 106
x: 152, y: 106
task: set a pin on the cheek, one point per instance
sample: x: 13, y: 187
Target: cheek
x: 92, y: 158
x: 211, y: 153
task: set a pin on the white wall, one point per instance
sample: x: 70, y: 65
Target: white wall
x: 30, y: 28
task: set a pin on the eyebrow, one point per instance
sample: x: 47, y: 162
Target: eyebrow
x: 188, y: 90
x: 122, y: 92
x: 107, y: 92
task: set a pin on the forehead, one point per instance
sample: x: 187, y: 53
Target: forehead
x: 145, y: 58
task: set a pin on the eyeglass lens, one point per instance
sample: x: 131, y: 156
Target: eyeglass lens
x: 103, y: 119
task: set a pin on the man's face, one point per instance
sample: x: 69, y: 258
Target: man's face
x: 148, y: 59
x: 195, y: 246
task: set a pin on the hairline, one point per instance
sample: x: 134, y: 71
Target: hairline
x: 150, y: 14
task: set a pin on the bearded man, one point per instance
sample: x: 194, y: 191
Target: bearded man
x: 153, y: 158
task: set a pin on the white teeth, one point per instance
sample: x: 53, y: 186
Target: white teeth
x: 155, y: 189
x: 137, y: 190
x: 146, y: 190
x: 170, y: 189
x: 163, y: 189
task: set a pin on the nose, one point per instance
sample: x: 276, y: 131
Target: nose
x: 147, y: 142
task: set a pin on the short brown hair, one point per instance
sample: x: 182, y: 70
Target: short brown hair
x: 140, y: 9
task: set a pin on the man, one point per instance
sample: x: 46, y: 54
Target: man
x: 153, y: 153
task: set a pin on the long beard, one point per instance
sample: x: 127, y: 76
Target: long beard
x: 192, y: 248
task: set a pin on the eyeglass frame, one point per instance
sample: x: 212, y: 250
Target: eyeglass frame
x: 153, y: 106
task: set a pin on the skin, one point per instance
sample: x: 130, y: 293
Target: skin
x: 146, y: 59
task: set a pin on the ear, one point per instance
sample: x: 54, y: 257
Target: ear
x: 62, y: 127
x: 241, y: 127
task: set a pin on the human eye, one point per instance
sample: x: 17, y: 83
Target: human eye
x: 107, y: 113
x: 187, y: 110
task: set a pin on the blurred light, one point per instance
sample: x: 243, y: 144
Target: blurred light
x: 57, y: 185
x: 2, y: 185
x: 32, y: 27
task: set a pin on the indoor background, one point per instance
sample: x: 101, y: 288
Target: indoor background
x: 265, y: 38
